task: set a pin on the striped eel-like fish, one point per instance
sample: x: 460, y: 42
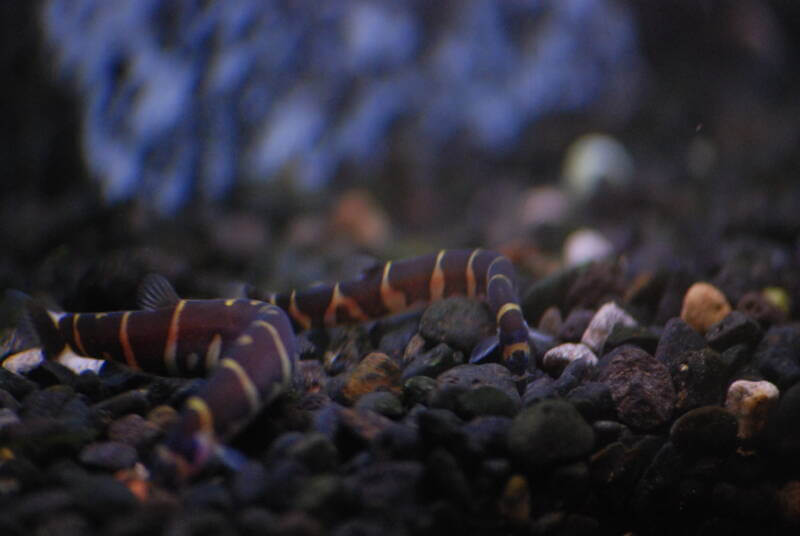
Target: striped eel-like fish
x: 248, y: 346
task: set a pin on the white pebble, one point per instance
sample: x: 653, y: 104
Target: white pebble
x: 593, y: 159
x: 751, y: 402
x: 556, y: 359
x: 586, y: 245
x: 602, y: 323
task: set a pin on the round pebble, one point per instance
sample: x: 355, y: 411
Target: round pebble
x: 703, y: 306
x: 550, y: 431
x: 376, y: 370
x: 709, y: 430
x: 109, y: 455
x: 458, y: 321
x: 751, y: 403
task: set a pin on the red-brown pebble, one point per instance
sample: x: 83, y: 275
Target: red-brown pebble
x: 375, y: 371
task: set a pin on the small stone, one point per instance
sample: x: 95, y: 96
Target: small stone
x: 539, y: 389
x: 397, y: 337
x: 382, y: 402
x: 388, y: 486
x: 163, y: 416
x: 575, y: 325
x: 735, y: 328
x: 463, y: 377
x: 551, y: 321
x: 8, y: 401
x: 375, y: 371
x: 135, y: 431
x: 640, y: 385
x: 362, y: 425
x: 8, y: 417
x: 433, y: 362
x: 708, y: 430
x: 703, y: 306
x: 777, y: 356
x: 699, y: 378
x: 248, y: 485
x: 488, y: 435
x: 323, y: 496
x: 783, y: 430
x: 556, y: 359
x: 599, y: 283
x: 415, y: 345
x: 758, y: 307
x: 677, y: 337
x: 109, y: 455
x: 551, y: 431
x: 751, y: 402
x: 635, y: 335
x: 135, y: 401
x: 459, y: 322
x: 399, y: 441
x: 101, y: 496
x: 315, y: 451
x: 446, y: 476
x: 486, y: 400
x: 593, y: 400
x: 602, y: 323
x: 207, y: 495
x: 417, y: 389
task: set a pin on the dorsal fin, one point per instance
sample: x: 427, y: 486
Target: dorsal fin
x: 156, y: 292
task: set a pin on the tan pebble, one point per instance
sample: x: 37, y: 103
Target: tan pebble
x: 551, y: 321
x: 789, y: 501
x: 703, y: 306
x: 357, y: 215
x: 556, y: 359
x: 751, y: 403
x: 515, y: 503
x: 603, y: 321
x: 375, y: 371
x: 413, y: 348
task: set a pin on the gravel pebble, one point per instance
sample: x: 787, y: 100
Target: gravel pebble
x: 375, y: 371
x: 575, y: 325
x: 109, y: 455
x: 751, y: 402
x: 700, y: 378
x: 703, y: 306
x: 735, y: 328
x: 417, y: 389
x: 777, y: 356
x: 640, y: 386
x: 549, y: 432
x: 709, y: 430
x: 486, y: 400
x: 382, y: 402
x: 556, y: 359
x: 433, y: 362
x: 134, y: 430
x: 457, y: 321
x: 758, y: 307
x: 602, y: 323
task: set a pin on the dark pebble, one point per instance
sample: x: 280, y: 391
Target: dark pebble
x: 569, y: 483
x: 700, y: 379
x: 487, y: 436
x: 63, y: 524
x: 388, y: 488
x: 572, y: 376
x: 442, y: 427
x: 636, y: 335
x: 457, y: 321
x: 735, y: 328
x: 255, y: 521
x: 416, y: 390
x: 315, y: 451
x: 325, y: 497
x: 755, y: 305
x: 282, y: 481
x: 463, y: 377
x: 52, y: 373
x: 382, y: 402
x: 707, y: 430
x: 359, y: 527
x: 653, y: 494
x: 593, y: 400
x: 777, y: 356
x: 128, y: 402
x: 8, y: 401
x: 393, y: 343
x: 548, y: 432
x: 109, y: 455
x: 296, y: 524
x: 539, y: 389
x: 783, y: 427
x: 548, y: 291
x: 102, y: 496
x: 486, y: 400
x: 135, y: 431
x: 249, y: 484
x: 433, y: 362
x: 200, y: 523
x: 617, y: 467
x: 31, y: 506
x: 733, y: 501
x: 207, y: 495
x: 735, y: 357
x: 46, y: 438
x: 442, y: 473
x: 575, y: 324
x: 49, y: 402
x: 399, y: 441
x: 606, y: 432
x: 676, y: 338
x: 595, y: 285
x: 640, y: 386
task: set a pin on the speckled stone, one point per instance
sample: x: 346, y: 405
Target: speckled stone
x: 677, y: 337
x: 469, y: 376
x: 735, y: 328
x: 383, y: 402
x: 700, y: 378
x: 556, y: 359
x: 551, y: 431
x: 602, y: 323
x: 703, y: 306
x: 417, y: 389
x: 751, y: 402
x: 640, y: 385
x: 375, y: 371
x: 433, y: 362
x: 134, y: 430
